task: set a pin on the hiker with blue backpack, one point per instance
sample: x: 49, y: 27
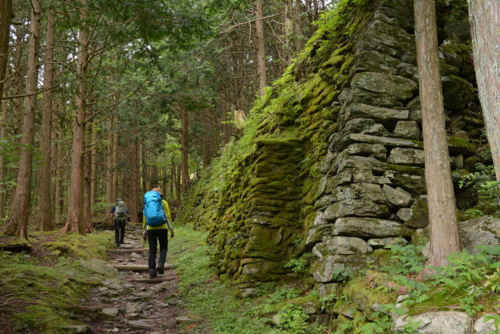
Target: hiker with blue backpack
x: 119, y: 214
x: 156, y: 224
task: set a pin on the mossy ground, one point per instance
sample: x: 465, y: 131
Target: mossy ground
x: 39, y: 287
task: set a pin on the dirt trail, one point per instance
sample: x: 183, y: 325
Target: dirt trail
x: 133, y: 303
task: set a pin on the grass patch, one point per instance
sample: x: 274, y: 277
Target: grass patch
x: 218, y: 305
x: 38, y: 287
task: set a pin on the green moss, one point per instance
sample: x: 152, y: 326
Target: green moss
x: 335, y: 61
x: 457, y: 145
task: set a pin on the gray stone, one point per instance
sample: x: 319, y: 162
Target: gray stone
x: 396, y: 197
x: 366, y: 126
x: 141, y: 324
x: 347, y: 246
x: 373, y: 61
x: 376, y: 151
x: 366, y: 176
x: 405, y: 214
x: 358, y: 95
x: 402, y: 88
x: 342, y: 193
x: 357, y: 162
x: 387, y: 39
x: 480, y: 231
x: 132, y: 308
x: 407, y: 130
x: 407, y: 156
x: 323, y: 269
x: 382, y: 242
x: 109, y: 312
x: 358, y: 208
x: 369, y: 191
x: 316, y: 234
x: 385, y: 116
x: 369, y: 228
x: 343, y: 142
x: 320, y: 250
x: 444, y: 322
x: 416, y: 115
x: 481, y: 326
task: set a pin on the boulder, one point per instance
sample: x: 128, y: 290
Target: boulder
x: 387, y: 39
x: 397, y: 197
x: 366, y: 126
x: 407, y: 157
x: 370, y: 228
x: 382, y: 242
x: 480, y: 231
x: 402, y: 88
x: 385, y: 116
x: 373, y: 61
x: 346, y: 246
x: 358, y: 95
x: 407, y: 130
x: 324, y: 269
x: 369, y: 191
x: 444, y: 322
x: 483, y: 326
x: 357, y: 208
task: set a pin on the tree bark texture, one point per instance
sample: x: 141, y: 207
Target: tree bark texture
x: 5, y: 18
x: 261, y: 51
x: 184, y: 146
x: 19, y: 215
x: 444, y: 237
x: 484, y: 18
x: 46, y: 222
x: 74, y: 221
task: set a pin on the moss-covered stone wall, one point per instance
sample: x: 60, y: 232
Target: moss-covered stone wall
x: 331, y: 161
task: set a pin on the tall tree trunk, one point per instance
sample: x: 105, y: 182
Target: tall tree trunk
x: 135, y: 181
x: 114, y: 154
x: 74, y: 221
x: 178, y: 189
x: 93, y: 168
x: 19, y: 215
x: 261, y: 51
x: 5, y: 18
x: 184, y: 146
x: 485, y: 22
x: 444, y: 237
x: 46, y: 222
x: 3, y: 162
x: 109, y: 165
x: 145, y: 175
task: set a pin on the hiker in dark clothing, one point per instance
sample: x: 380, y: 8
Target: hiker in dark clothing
x: 158, y: 234
x: 119, y: 214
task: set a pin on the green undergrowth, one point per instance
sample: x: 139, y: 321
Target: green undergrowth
x: 38, y: 288
x: 470, y: 283
x: 218, y: 305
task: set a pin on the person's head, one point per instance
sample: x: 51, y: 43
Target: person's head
x: 118, y: 200
x: 159, y: 191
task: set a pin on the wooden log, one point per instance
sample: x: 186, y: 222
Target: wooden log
x: 127, y: 250
x: 138, y: 267
x: 157, y: 279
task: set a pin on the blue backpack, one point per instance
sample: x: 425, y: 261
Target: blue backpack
x: 153, y: 210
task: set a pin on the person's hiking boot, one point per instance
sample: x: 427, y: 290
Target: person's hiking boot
x: 160, y: 269
x: 152, y: 273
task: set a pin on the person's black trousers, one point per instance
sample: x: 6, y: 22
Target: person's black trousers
x: 119, y: 232
x: 155, y: 236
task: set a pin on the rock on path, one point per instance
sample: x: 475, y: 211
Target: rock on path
x: 131, y: 302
